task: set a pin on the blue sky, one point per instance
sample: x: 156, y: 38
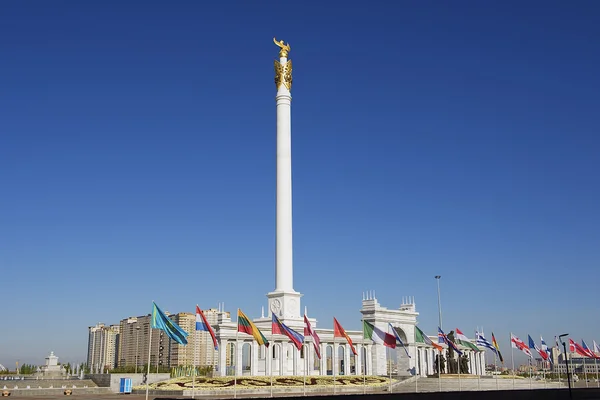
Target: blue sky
x: 137, y: 150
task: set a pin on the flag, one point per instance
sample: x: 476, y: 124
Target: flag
x: 556, y: 342
x: 575, y: 347
x: 464, y: 341
x: 279, y: 328
x: 497, y: 348
x: 308, y: 331
x: 596, y: 347
x: 378, y: 336
x: 546, y: 350
x: 534, y: 346
x: 164, y: 323
x: 338, y: 331
x: 421, y: 337
x: 397, y: 337
x: 448, y: 342
x: 246, y: 326
x: 587, y: 350
x: 203, y: 325
x: 483, y: 342
x: 517, y: 343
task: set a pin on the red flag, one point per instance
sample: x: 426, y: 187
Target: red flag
x: 338, y: 331
x: 308, y: 331
x: 577, y: 348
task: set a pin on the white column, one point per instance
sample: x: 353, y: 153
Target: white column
x: 358, y: 360
x: 282, y: 359
x: 370, y: 369
x: 307, y: 365
x: 323, y: 360
x: 254, y: 367
x: 222, y: 357
x: 284, y: 256
x: 347, y: 352
x: 238, y: 358
x: 295, y: 360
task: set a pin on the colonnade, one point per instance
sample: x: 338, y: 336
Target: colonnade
x: 286, y: 359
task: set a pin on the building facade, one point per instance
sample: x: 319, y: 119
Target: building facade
x: 240, y: 354
x: 103, y: 346
x: 134, y: 341
x: 184, y: 354
x: 578, y: 365
x: 200, y: 350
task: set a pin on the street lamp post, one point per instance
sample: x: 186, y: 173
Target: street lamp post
x: 437, y: 278
x: 137, y: 343
x: 566, y: 362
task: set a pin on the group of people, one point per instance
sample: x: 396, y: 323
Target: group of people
x: 455, y: 366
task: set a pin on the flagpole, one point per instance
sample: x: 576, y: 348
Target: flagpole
x: 270, y: 358
x: 363, y: 360
x: 544, y: 370
x: 305, y: 366
x: 530, y: 368
x: 237, y: 349
x: 554, y: 363
x: 419, y: 358
x: 458, y: 369
x: 364, y: 368
x: 596, y: 366
x: 439, y: 362
x: 585, y: 372
x: 195, y: 355
x: 363, y: 365
x: 149, y: 352
x: 496, y: 370
x: 478, y: 372
x: 333, y: 365
x: 570, y: 362
x: 512, y: 358
x: 389, y: 359
x: 390, y: 366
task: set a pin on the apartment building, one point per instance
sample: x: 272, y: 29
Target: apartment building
x: 200, y: 349
x: 135, y: 339
x: 126, y: 344
x: 103, y: 346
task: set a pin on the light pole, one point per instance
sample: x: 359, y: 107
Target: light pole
x: 137, y: 343
x: 437, y: 278
x: 566, y: 362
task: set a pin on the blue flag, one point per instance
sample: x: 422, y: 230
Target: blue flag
x: 162, y: 322
x: 448, y: 342
x: 483, y: 342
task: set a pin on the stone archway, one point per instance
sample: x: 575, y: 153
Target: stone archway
x: 316, y: 360
x: 340, y: 361
x: 246, y: 359
x: 275, y: 358
x: 329, y: 360
x: 403, y: 363
x: 231, y: 357
x: 404, y: 318
x: 364, y: 361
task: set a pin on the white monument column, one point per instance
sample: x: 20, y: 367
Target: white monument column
x: 284, y: 301
x: 284, y: 279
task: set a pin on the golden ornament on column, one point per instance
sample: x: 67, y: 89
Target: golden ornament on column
x: 283, y: 72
